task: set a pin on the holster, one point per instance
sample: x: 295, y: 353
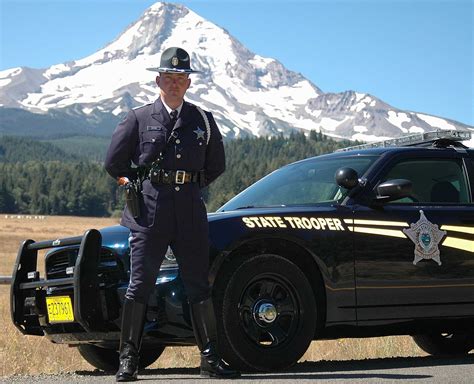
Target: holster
x: 131, y: 198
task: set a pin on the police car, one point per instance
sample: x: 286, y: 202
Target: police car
x: 368, y: 241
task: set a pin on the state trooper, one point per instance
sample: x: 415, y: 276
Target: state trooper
x: 182, y: 146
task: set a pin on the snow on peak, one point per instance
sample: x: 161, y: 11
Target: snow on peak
x: 10, y: 72
x: 436, y: 121
x: 397, y: 119
x: 247, y: 93
x: 154, y: 8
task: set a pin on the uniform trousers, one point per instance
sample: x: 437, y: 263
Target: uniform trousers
x: 190, y: 246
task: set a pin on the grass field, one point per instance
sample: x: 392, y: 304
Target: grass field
x: 32, y: 355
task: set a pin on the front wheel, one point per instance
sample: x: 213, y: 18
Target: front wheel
x: 269, y: 312
x: 439, y: 344
x: 107, y: 359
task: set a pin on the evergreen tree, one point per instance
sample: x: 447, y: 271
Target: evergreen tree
x: 83, y: 188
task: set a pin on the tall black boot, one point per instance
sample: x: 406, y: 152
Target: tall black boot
x: 133, y: 320
x: 205, y: 331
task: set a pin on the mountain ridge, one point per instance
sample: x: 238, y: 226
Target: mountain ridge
x: 249, y: 95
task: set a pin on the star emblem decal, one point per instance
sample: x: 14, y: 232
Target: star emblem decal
x: 426, y: 237
x: 199, y: 133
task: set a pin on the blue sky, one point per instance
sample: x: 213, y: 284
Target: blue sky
x: 413, y: 54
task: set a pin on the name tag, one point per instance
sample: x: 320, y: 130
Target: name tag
x: 153, y: 128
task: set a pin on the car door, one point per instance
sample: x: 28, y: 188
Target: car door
x: 414, y: 257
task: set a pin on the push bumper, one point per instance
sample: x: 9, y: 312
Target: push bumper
x: 28, y: 291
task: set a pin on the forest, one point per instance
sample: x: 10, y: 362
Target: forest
x: 41, y: 178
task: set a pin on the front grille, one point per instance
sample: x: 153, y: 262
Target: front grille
x: 107, y: 258
x: 57, y: 262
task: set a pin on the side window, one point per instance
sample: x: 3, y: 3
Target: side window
x: 434, y: 180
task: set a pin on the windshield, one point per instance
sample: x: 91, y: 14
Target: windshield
x: 303, y: 183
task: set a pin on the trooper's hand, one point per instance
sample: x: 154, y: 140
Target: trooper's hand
x: 123, y: 180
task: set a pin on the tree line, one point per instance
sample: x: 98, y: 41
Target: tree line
x: 21, y: 149
x: 56, y: 188
x: 39, y: 183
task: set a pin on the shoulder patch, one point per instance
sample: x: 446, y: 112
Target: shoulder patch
x: 142, y: 111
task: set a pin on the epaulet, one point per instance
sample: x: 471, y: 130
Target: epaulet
x: 206, y: 120
x: 142, y: 106
x: 124, y: 114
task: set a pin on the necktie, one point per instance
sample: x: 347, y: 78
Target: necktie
x: 174, y: 117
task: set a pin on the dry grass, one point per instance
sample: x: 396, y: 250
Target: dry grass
x: 32, y: 355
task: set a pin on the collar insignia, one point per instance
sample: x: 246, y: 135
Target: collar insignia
x: 426, y: 237
x: 199, y: 133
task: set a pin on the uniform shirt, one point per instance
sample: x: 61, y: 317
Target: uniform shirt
x: 169, y: 109
x: 139, y: 139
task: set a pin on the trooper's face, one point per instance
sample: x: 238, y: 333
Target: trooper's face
x: 173, y: 85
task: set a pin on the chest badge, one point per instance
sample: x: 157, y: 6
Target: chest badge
x: 426, y: 237
x: 199, y: 133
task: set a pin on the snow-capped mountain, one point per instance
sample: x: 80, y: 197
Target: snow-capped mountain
x: 248, y: 94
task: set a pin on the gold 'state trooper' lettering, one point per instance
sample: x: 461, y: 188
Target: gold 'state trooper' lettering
x: 318, y: 223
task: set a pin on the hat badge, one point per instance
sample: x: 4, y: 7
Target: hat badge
x: 174, y: 61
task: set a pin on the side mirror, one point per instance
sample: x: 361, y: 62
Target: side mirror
x: 347, y: 178
x: 394, y: 189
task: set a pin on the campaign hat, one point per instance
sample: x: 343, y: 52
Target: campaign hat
x: 174, y: 60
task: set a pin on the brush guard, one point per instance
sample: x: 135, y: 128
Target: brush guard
x: 86, y: 299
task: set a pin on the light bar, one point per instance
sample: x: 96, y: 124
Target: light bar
x: 417, y: 138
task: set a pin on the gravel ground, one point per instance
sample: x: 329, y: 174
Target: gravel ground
x: 389, y: 370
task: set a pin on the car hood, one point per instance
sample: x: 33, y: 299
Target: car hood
x: 214, y: 216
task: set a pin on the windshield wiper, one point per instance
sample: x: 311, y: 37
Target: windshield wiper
x: 260, y: 206
x: 246, y: 207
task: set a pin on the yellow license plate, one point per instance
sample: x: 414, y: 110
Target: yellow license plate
x: 59, y: 309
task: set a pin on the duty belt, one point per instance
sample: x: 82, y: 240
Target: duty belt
x: 162, y: 176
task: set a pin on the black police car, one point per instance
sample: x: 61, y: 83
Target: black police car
x: 361, y: 242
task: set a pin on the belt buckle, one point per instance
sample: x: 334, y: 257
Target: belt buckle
x: 179, y: 178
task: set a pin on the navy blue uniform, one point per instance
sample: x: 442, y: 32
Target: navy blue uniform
x: 170, y: 214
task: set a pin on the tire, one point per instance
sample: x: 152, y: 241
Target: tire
x: 107, y: 359
x: 444, y: 344
x: 268, y: 314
